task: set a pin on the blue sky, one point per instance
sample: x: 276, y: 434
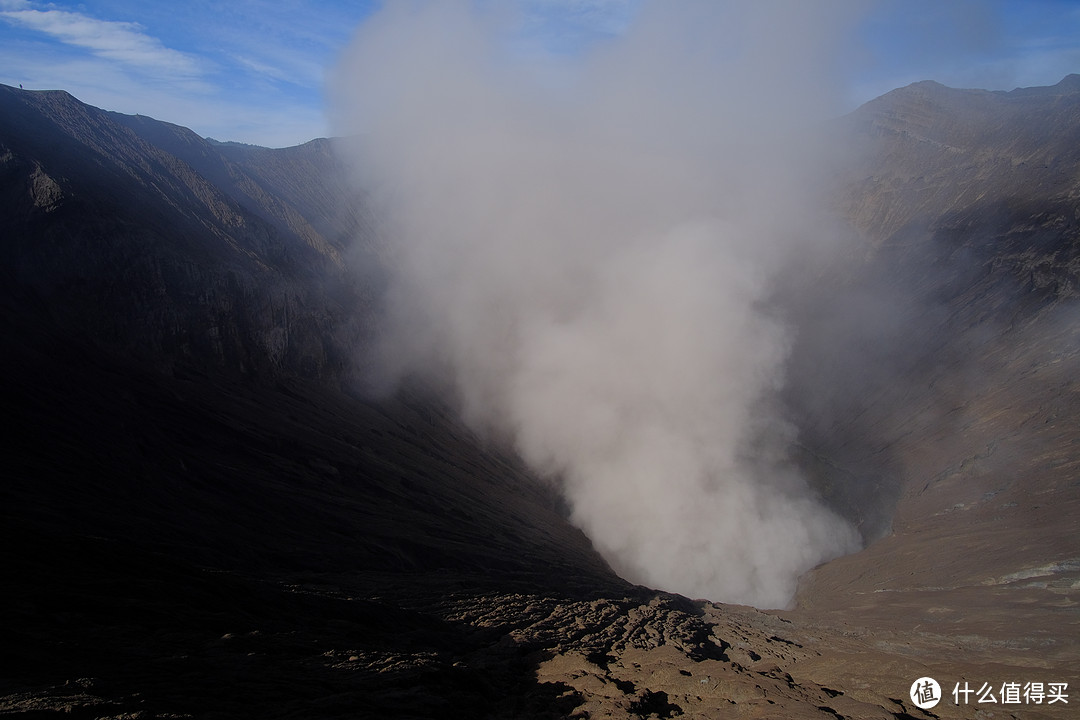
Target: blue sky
x: 253, y: 70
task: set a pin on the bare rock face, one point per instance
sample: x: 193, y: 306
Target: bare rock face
x: 932, y: 153
x: 200, y: 519
x: 959, y: 406
x: 44, y: 191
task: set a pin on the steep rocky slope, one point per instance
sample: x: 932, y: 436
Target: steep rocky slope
x: 955, y: 389
x: 200, y: 518
x: 933, y: 155
x: 154, y: 240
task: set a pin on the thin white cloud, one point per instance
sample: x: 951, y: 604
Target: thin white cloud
x: 282, y: 65
x: 263, y: 69
x: 122, y: 42
x: 279, y: 42
x: 122, y: 66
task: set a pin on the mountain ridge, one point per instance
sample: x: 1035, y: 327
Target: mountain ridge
x: 229, y: 263
x: 914, y: 129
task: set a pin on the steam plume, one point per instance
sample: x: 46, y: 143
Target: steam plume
x: 585, y: 248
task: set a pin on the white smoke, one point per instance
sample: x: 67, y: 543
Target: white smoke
x: 585, y: 247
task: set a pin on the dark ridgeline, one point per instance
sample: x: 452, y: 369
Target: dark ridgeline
x: 201, y: 517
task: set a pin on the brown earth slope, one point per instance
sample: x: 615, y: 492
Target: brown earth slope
x: 969, y: 202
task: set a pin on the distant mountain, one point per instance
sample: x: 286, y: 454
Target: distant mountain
x: 930, y: 154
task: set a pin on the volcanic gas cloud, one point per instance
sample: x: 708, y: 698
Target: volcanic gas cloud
x: 583, y: 247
